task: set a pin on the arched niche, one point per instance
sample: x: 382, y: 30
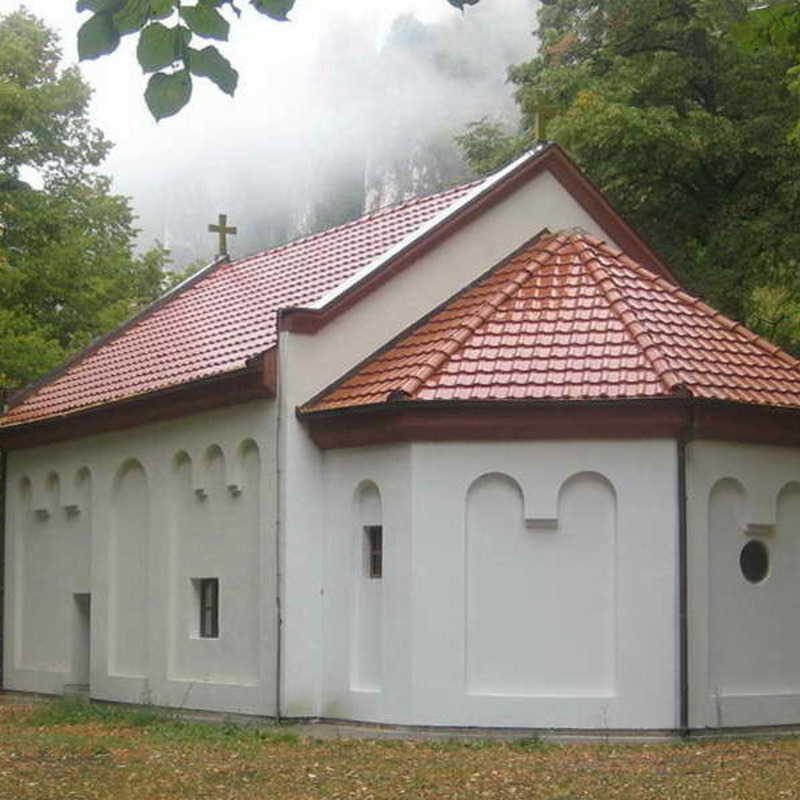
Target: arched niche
x: 250, y: 460
x: 788, y: 508
x: 181, y: 473
x: 540, y: 603
x: 738, y: 621
x: 53, y: 491
x: 247, y: 474
x: 369, y: 507
x: 587, y: 541
x: 25, y: 494
x: 129, y: 570
x: 366, y: 652
x: 499, y: 550
x: 78, y: 498
x: 214, y: 469
x: 726, y: 507
x: 47, y: 497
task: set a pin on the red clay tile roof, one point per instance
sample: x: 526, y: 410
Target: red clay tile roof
x: 571, y: 319
x: 226, y: 317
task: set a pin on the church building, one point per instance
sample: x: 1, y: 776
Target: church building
x: 475, y: 460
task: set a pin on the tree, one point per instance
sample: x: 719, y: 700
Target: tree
x: 685, y: 130
x: 775, y: 25
x: 68, y: 271
x: 166, y: 30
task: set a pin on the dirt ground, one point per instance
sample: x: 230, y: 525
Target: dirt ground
x: 69, y: 751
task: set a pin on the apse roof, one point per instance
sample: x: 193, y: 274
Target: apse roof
x: 570, y: 318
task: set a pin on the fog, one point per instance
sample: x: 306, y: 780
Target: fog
x: 349, y: 107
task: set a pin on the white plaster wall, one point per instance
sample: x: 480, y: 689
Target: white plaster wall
x: 366, y: 640
x: 51, y: 560
x: 128, y: 573
x: 526, y: 584
x: 345, y: 695
x: 211, y: 523
x: 521, y: 578
x: 308, y: 363
x: 132, y: 533
x: 744, y: 638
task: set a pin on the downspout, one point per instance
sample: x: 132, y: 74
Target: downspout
x: 684, y: 437
x: 278, y: 529
x: 683, y: 593
x: 3, y: 476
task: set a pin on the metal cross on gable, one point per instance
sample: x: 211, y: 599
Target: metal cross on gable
x: 223, y: 230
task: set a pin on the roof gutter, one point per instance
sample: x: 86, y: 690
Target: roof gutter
x: 664, y: 417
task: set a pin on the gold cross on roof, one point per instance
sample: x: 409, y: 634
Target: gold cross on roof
x: 223, y: 230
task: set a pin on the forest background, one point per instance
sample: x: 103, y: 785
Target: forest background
x: 685, y: 112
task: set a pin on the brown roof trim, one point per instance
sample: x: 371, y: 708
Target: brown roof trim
x: 552, y: 158
x: 667, y: 417
x: 257, y: 380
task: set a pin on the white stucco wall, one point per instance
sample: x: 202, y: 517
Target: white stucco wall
x: 744, y: 643
x: 130, y: 518
x: 309, y: 363
x: 525, y: 584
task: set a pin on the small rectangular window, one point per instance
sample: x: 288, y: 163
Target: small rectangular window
x: 208, y: 591
x: 374, y: 547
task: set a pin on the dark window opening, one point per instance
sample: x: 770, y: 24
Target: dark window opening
x: 374, y: 537
x: 209, y: 607
x: 754, y: 561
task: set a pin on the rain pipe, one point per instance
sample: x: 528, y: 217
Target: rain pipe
x: 683, y: 592
x: 278, y: 528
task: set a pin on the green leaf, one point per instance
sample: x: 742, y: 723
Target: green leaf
x: 160, y: 9
x: 99, y: 6
x: 276, y: 9
x: 160, y: 46
x: 206, y: 22
x: 210, y: 63
x: 132, y: 16
x: 97, y: 36
x: 459, y: 4
x: 168, y: 94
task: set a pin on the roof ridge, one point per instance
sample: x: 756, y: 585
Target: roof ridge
x: 468, y: 327
x: 681, y: 294
x: 660, y: 364
x: 382, y: 211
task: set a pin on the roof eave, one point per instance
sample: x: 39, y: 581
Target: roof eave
x: 257, y: 380
x: 497, y: 420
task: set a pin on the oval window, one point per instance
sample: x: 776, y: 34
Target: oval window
x: 754, y: 561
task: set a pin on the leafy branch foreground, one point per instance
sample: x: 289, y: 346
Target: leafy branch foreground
x: 166, y: 46
x: 67, y: 750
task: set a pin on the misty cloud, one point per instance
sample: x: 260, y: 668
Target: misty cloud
x: 336, y: 113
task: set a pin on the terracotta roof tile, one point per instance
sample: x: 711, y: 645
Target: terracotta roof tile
x: 572, y: 319
x: 229, y: 315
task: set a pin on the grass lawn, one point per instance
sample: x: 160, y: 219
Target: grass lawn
x: 68, y: 751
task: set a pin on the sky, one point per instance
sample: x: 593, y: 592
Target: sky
x: 300, y: 100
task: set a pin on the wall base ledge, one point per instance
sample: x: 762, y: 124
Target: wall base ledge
x: 328, y: 728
